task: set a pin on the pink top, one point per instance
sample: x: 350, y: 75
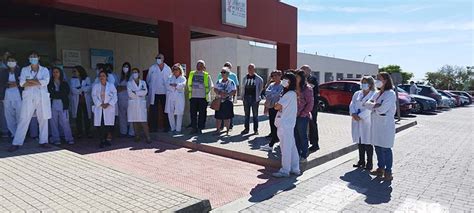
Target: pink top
x: 305, y: 102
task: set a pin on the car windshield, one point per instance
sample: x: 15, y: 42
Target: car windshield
x: 433, y: 90
x: 401, y: 90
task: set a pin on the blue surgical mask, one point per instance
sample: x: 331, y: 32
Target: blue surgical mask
x: 284, y: 83
x: 364, y: 86
x: 34, y: 61
x: 158, y: 61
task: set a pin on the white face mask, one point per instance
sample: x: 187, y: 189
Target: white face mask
x: 364, y: 86
x: 378, y: 84
x: 158, y: 61
x: 284, y: 83
x: 135, y: 76
x: 125, y: 69
x: 11, y: 64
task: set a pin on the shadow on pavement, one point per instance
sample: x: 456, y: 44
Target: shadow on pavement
x: 374, y: 189
x: 270, y: 187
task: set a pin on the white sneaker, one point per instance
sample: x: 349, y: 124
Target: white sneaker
x: 280, y: 174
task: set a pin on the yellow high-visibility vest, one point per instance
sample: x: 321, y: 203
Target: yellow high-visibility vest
x: 190, y: 84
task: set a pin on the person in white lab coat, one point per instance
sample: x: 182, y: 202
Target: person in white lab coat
x: 136, y: 111
x: 285, y: 122
x: 35, y: 79
x: 175, y: 99
x: 104, y: 96
x: 59, y: 90
x: 157, y: 78
x: 126, y: 128
x: 383, y: 105
x: 11, y: 94
x: 361, y: 120
x: 81, y: 101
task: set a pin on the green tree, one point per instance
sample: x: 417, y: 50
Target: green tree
x: 451, y: 78
x: 406, y: 76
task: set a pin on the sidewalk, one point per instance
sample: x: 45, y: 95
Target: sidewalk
x: 35, y: 179
x: 334, y: 139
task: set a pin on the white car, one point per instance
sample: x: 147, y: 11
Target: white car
x: 445, y: 102
x: 464, y: 100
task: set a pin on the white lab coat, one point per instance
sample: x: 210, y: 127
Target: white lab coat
x: 285, y: 122
x: 175, y: 98
x: 110, y: 98
x: 85, y: 88
x: 136, y: 110
x: 383, y: 119
x: 361, y: 129
x: 36, y: 100
x: 157, y: 80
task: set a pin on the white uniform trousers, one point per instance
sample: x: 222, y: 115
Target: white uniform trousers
x: 290, y: 160
x: 28, y: 107
x: 176, y: 121
x: 12, y: 114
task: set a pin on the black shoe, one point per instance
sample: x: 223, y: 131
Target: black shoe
x: 368, y: 167
x: 199, y: 132
x: 45, y: 146
x: 313, y: 148
x: 271, y: 144
x: 246, y: 131
x: 194, y: 131
x: 359, y: 165
x: 13, y: 148
x: 255, y: 132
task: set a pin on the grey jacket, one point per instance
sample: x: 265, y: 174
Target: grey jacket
x: 258, y: 84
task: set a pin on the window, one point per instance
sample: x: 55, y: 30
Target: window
x: 351, y: 87
x: 328, y: 77
x: 316, y: 75
x: 349, y: 75
x: 336, y: 86
x: 358, y: 76
x: 339, y: 76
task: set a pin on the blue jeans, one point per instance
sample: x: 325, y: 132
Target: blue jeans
x: 251, y: 103
x: 384, y: 158
x: 301, y: 136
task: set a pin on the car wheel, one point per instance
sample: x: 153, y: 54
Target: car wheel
x: 417, y: 108
x: 322, y: 105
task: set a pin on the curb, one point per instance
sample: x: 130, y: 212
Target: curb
x: 201, y: 206
x: 261, y: 160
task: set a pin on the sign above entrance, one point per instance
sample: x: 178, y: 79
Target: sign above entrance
x: 234, y: 13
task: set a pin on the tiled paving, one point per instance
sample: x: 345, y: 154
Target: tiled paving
x: 433, y: 172
x: 57, y: 180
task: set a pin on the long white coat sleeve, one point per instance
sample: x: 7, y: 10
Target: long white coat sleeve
x: 96, y: 95
x: 352, y: 105
x: 389, y: 101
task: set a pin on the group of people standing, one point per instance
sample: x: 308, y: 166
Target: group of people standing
x: 373, y: 109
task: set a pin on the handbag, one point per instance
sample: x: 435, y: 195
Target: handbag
x: 216, y: 104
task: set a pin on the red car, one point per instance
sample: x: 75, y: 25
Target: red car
x: 338, y: 95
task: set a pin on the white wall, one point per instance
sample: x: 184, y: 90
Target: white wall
x: 139, y: 51
x: 216, y: 51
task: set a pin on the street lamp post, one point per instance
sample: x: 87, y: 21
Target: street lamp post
x: 366, y: 57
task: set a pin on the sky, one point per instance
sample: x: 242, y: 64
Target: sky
x: 419, y: 35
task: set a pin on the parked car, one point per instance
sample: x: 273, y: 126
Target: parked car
x: 452, y: 100
x: 465, y: 94
x: 457, y: 97
x: 338, y: 95
x: 423, y: 103
x: 407, y: 103
x: 425, y: 90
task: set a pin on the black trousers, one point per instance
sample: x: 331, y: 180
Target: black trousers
x: 313, y: 128
x: 366, y: 149
x: 82, y: 120
x: 104, y: 130
x: 273, y: 129
x: 153, y: 121
x: 198, y: 112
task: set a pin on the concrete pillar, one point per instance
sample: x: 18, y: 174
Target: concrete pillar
x: 175, y: 44
x: 286, y: 56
